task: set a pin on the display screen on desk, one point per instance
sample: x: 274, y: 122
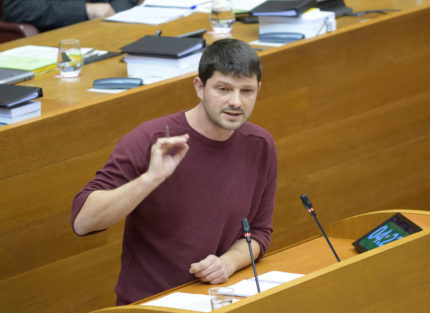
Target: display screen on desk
x: 396, y: 227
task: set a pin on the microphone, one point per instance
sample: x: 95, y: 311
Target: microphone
x: 308, y: 206
x: 247, y: 234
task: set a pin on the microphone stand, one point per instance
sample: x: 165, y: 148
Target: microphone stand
x: 247, y: 235
x: 308, y: 205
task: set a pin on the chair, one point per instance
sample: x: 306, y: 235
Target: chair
x: 11, y: 31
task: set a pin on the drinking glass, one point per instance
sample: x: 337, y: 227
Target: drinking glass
x: 220, y: 296
x: 69, y: 60
x: 222, y: 16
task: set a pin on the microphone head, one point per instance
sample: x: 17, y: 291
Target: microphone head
x: 245, y: 225
x: 306, y: 202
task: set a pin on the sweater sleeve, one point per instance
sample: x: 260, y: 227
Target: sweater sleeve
x: 44, y: 14
x: 261, y: 221
x: 126, y: 162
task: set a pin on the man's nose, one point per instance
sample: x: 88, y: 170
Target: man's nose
x: 235, y: 99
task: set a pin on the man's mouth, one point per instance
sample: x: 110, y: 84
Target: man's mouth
x: 233, y: 113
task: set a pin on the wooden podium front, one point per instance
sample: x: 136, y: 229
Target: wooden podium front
x: 391, y: 278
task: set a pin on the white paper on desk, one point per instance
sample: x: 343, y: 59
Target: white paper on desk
x: 248, y: 287
x: 148, y: 15
x: 246, y: 5
x: 184, y: 301
x: 34, y: 51
x: 238, y: 6
x: 270, y: 44
x: 106, y: 90
x: 175, y: 3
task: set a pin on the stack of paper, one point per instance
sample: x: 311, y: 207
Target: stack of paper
x: 38, y: 59
x: 311, y: 23
x: 285, y: 21
x: 187, y: 4
x: 155, y: 58
x: 20, y: 112
x: 149, y: 15
x: 16, y: 103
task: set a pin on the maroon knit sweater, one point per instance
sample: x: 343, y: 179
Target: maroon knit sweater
x: 196, y: 211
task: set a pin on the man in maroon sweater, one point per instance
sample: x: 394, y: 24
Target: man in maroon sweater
x: 185, y: 181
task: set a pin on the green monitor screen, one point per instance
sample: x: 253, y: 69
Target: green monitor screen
x: 396, y: 227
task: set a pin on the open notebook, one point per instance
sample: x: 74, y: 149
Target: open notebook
x: 248, y: 287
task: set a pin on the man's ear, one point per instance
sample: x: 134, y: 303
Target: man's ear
x: 198, y: 85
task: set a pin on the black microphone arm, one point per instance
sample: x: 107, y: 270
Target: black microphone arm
x: 308, y: 205
x: 247, y: 234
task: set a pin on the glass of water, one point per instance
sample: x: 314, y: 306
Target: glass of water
x: 220, y: 296
x: 69, y: 60
x: 222, y: 16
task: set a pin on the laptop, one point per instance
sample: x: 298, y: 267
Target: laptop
x: 9, y: 76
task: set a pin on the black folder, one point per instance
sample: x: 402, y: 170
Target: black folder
x: 12, y: 95
x: 292, y: 8
x: 165, y: 46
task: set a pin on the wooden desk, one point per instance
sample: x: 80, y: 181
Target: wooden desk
x: 348, y: 110
x: 379, y: 280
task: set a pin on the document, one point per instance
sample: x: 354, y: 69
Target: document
x: 142, y: 14
x: 184, y: 301
x: 188, y: 4
x: 248, y: 287
x: 37, y: 59
x: 239, y: 6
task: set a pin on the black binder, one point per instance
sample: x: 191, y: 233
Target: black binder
x: 12, y: 95
x: 165, y: 46
x: 292, y: 8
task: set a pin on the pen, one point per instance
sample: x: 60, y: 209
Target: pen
x: 167, y: 131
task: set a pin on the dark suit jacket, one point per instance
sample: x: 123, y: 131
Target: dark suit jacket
x: 50, y: 14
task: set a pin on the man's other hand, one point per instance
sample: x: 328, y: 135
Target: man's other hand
x: 211, y: 269
x: 98, y: 10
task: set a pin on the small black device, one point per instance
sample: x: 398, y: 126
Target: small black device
x: 280, y: 37
x: 396, y: 227
x: 117, y: 83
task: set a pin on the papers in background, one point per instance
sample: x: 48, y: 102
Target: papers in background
x: 151, y: 73
x: 184, y: 301
x: 248, y: 287
x: 142, y: 14
x: 238, y: 6
x: 29, y: 58
x: 41, y: 52
x: 32, y: 58
x: 269, y: 44
x: 312, y: 23
x: 246, y: 5
x: 106, y: 90
x: 189, y: 60
x: 188, y: 4
x: 21, y: 112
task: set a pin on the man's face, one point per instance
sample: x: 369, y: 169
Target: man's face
x: 228, y: 100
